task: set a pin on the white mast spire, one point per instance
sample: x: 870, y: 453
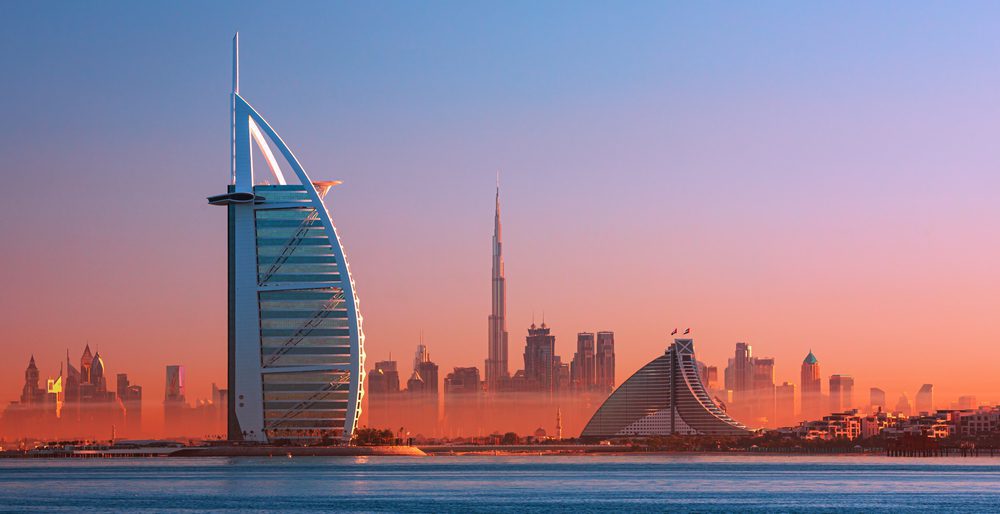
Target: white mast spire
x: 236, y: 63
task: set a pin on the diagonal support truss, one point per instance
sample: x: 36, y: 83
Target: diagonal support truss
x: 311, y: 324
x: 290, y: 246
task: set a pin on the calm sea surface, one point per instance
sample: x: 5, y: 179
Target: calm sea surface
x: 515, y: 484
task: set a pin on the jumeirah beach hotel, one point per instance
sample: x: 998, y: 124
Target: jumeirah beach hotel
x: 296, y: 346
x: 664, y: 397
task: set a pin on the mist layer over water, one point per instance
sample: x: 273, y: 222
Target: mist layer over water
x: 514, y: 484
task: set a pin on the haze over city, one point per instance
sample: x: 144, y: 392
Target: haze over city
x: 661, y: 167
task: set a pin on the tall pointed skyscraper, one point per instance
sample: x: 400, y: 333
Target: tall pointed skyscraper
x: 296, y: 347
x: 496, y: 362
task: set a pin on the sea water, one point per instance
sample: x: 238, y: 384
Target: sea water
x: 578, y: 483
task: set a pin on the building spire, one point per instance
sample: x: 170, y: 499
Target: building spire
x: 236, y: 63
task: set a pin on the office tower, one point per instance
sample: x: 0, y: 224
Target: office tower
x: 130, y: 397
x: 462, y: 381
x: 811, y: 387
x: 421, y: 355
x: 762, y: 396
x: 925, y: 399
x: 97, y: 375
x: 31, y: 393
x: 540, y: 366
x: 175, y: 407
x: 384, y: 379
x: 294, y: 317
x: 841, y: 393
x: 605, y: 361
x: 742, y: 372
x: 496, y: 362
x: 71, y: 386
x: 429, y: 372
x: 664, y: 397
x: 967, y: 402
x: 175, y: 390
x: 876, y: 399
x: 583, y: 369
x: 415, y: 384
x: 784, y: 404
x: 903, y: 405
x: 86, y: 360
x: 711, y: 377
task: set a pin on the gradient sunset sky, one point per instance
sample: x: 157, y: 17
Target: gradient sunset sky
x: 792, y: 175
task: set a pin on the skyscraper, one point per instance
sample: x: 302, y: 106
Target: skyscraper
x: 427, y: 370
x: 541, y: 366
x: 925, y: 399
x: 763, y: 388
x: 841, y: 393
x: 462, y: 381
x: 742, y: 372
x: 784, y: 404
x: 811, y: 388
x: 583, y: 367
x: 876, y: 399
x: 384, y: 378
x: 605, y: 361
x: 496, y: 362
x: 175, y: 401
x: 296, y: 344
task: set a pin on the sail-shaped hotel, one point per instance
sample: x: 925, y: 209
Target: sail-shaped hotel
x: 296, y: 346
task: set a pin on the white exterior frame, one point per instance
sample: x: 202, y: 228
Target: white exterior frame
x: 247, y: 391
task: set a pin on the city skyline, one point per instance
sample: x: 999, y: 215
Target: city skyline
x: 831, y: 246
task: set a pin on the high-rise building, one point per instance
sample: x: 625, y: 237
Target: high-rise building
x: 876, y: 399
x: 967, y: 402
x: 496, y: 362
x: 811, y: 388
x: 903, y: 405
x: 175, y: 390
x: 541, y: 366
x: 31, y: 393
x: 86, y: 360
x: 711, y: 377
x: 583, y: 369
x: 294, y: 317
x: 131, y: 398
x: 462, y: 381
x: 925, y: 399
x: 605, y: 361
x: 427, y: 370
x: 175, y: 407
x: 742, y: 372
x: 664, y: 397
x: 415, y: 384
x: 784, y: 404
x: 762, y: 396
x: 384, y: 379
x: 841, y: 393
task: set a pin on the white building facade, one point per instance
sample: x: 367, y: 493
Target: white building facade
x: 296, y: 344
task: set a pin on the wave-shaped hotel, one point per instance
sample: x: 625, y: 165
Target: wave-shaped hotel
x: 296, y: 346
x: 664, y: 397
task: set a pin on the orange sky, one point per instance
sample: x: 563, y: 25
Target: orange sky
x: 792, y: 180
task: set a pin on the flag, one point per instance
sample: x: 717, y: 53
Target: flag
x: 674, y: 332
x: 687, y: 331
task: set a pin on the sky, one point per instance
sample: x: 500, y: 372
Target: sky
x: 794, y: 175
